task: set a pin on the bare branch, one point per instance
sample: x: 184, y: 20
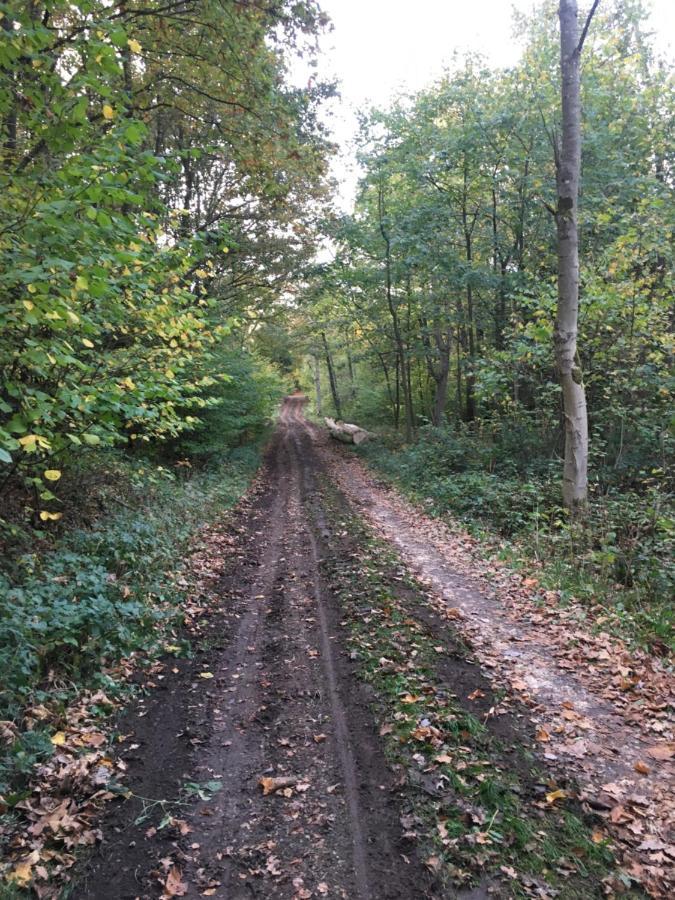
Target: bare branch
x: 587, y: 24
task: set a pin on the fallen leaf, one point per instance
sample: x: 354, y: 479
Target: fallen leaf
x: 642, y: 768
x: 174, y: 885
x: 319, y: 738
x: 322, y: 887
x: 543, y: 735
x: 58, y: 739
x: 555, y: 795
x: 662, y: 751
x: 443, y: 758
x: 409, y: 698
x: 206, y: 674
x: 21, y: 874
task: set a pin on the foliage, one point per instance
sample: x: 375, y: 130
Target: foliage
x: 439, y: 306
x: 102, y: 593
x: 129, y: 134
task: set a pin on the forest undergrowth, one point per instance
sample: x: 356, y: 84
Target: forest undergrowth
x: 617, y: 559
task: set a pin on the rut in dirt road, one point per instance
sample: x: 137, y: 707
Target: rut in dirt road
x: 281, y: 704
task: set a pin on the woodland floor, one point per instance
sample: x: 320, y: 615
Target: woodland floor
x: 277, y: 746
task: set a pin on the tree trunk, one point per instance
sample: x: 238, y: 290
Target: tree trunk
x: 331, y: 376
x: 350, y: 366
x: 568, y: 167
x: 402, y: 370
x: 317, y: 383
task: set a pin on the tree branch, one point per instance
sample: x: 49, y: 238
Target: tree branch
x: 587, y: 25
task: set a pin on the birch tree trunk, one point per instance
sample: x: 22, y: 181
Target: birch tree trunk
x: 568, y: 168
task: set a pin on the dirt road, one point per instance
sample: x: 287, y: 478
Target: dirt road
x: 282, y: 704
x: 259, y: 768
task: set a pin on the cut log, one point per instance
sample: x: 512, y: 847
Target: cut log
x: 347, y: 433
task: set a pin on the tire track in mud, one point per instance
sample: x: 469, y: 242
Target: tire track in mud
x: 305, y: 487
x: 273, y: 694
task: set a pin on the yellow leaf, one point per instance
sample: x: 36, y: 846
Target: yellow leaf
x: 21, y: 874
x: 134, y: 46
x: 59, y: 739
x: 87, y: 343
x: 555, y: 795
x: 52, y: 474
x: 28, y: 441
x: 108, y: 112
x: 46, y: 516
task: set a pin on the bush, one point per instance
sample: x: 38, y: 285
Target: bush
x: 102, y: 593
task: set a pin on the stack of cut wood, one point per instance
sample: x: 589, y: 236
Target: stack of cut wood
x: 348, y: 434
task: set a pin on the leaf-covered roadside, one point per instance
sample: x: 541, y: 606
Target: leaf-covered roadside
x: 479, y: 803
x: 617, y: 562
x: 94, y: 616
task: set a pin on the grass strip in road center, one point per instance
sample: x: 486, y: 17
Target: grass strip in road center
x: 477, y: 804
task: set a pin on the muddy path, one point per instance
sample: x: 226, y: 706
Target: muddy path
x: 269, y: 699
x: 259, y: 767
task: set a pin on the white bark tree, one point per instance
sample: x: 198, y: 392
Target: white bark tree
x: 568, y: 169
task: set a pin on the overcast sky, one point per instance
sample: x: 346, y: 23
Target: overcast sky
x: 380, y: 47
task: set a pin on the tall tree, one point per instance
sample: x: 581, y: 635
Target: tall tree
x: 568, y: 171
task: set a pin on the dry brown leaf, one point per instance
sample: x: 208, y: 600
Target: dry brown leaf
x: 642, y: 768
x: 543, y: 735
x: 662, y: 751
x: 174, y: 886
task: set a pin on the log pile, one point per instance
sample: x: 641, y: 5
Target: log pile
x: 348, y: 434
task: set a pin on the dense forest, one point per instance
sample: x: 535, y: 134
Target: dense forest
x: 437, y: 315
x: 174, y: 263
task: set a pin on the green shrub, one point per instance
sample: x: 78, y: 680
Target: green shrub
x: 101, y: 593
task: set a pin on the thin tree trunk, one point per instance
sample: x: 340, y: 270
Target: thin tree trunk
x: 350, y: 366
x: 568, y: 168
x: 403, y: 379
x: 317, y: 383
x: 331, y: 376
